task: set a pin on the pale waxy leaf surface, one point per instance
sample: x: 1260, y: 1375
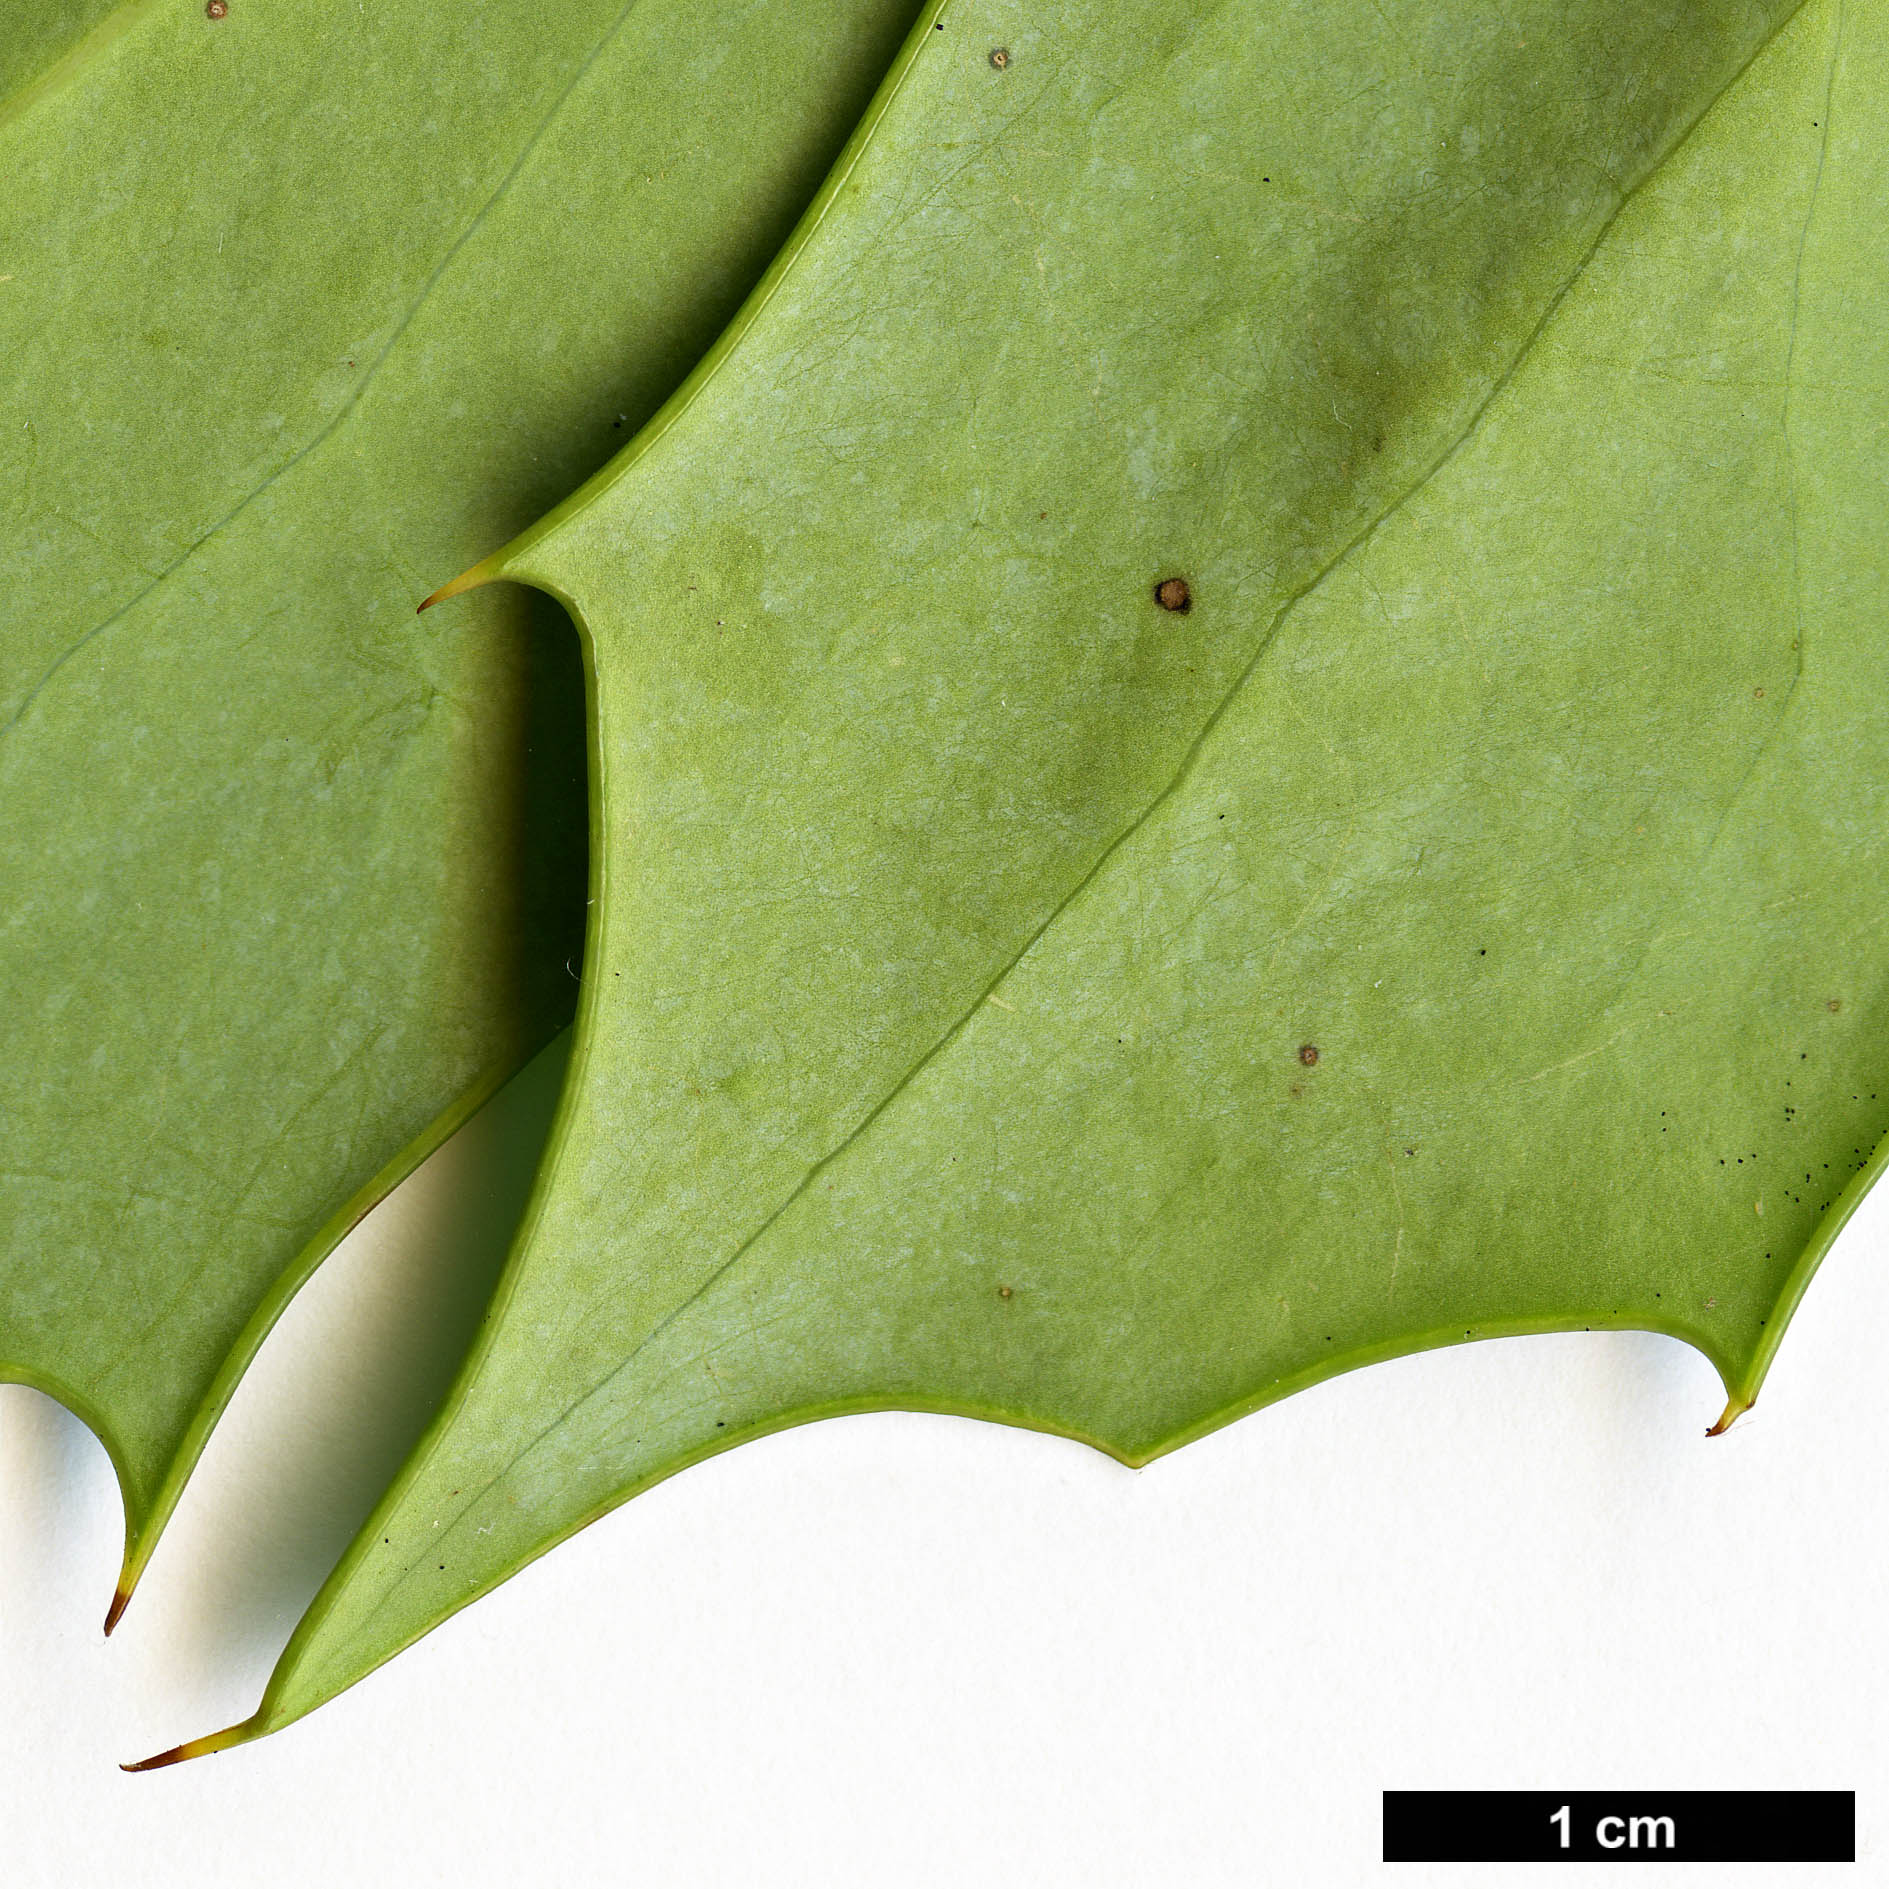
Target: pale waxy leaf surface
x: 1007, y: 996
x: 295, y: 304
x: 37, y: 37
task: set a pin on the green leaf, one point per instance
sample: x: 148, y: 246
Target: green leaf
x: 296, y: 306
x: 1009, y: 996
x: 38, y: 37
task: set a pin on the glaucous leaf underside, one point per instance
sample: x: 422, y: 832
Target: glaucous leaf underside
x: 1238, y: 727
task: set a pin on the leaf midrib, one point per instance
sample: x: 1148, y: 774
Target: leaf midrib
x: 76, y: 60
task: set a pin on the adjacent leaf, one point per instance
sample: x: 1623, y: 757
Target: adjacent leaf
x: 294, y: 305
x: 1011, y: 996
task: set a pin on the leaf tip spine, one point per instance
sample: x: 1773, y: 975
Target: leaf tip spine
x: 121, y: 1599
x: 197, y: 1747
x: 486, y: 571
x: 1735, y: 1408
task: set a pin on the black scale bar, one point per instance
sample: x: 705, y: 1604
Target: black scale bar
x: 1620, y: 1827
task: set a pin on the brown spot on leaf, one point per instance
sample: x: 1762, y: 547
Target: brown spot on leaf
x: 1000, y: 57
x: 1003, y: 1292
x: 1172, y: 593
x: 1835, y: 1004
x: 1308, y: 1054
x: 215, y: 9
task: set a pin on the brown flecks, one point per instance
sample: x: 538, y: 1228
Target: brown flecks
x: 1297, y: 1090
x: 1172, y: 593
x: 1757, y: 695
x: 215, y: 9
x: 1308, y: 1054
x: 1004, y: 1292
x: 1000, y: 57
x: 1834, y: 1005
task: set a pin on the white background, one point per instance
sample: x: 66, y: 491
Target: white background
x: 904, y: 1651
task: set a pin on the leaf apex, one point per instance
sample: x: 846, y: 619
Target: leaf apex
x: 237, y: 1734
x: 121, y: 1599
x: 1734, y: 1409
